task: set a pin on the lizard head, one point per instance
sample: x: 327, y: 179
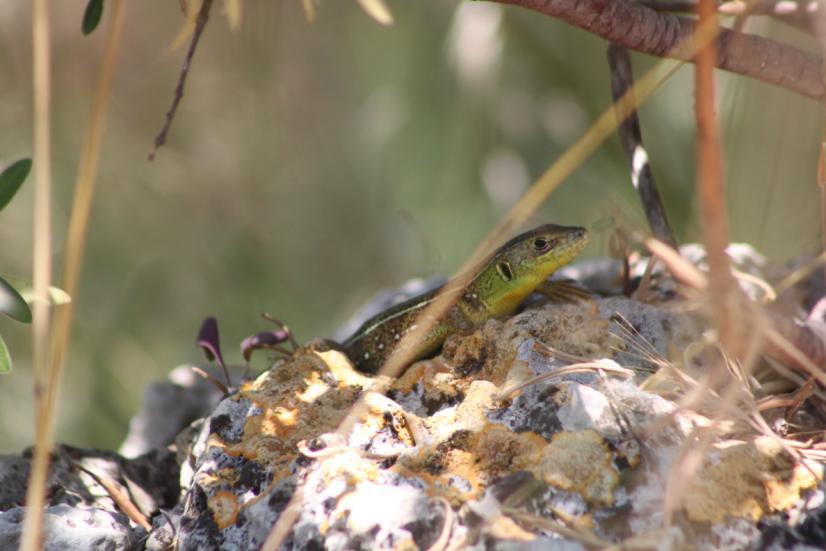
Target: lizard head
x: 516, y: 269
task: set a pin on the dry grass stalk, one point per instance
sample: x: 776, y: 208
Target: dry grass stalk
x: 48, y: 375
x: 31, y: 538
x: 596, y: 366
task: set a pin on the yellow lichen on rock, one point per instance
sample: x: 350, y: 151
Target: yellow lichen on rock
x: 748, y: 480
x: 579, y: 462
x: 298, y: 400
x: 224, y: 507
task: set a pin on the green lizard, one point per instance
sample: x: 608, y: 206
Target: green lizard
x: 500, y: 284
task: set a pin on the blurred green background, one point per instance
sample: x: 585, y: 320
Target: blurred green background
x: 311, y: 165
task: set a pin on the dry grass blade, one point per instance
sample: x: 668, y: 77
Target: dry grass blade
x: 804, y: 271
x: 36, y: 491
x: 769, y: 294
x: 120, y: 498
x: 634, y: 338
x: 550, y: 351
x: 535, y: 522
x: 85, y: 188
x: 684, y: 271
x: 443, y: 540
x: 48, y: 376
x: 599, y: 366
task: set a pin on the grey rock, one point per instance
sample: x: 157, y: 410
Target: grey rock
x: 168, y: 407
x: 67, y: 527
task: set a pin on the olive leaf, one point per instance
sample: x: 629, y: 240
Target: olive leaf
x: 13, y: 304
x: 92, y: 15
x: 12, y: 178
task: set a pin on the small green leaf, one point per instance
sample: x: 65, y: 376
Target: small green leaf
x: 12, y: 178
x: 57, y: 296
x: 5, y: 357
x: 13, y: 304
x: 91, y: 17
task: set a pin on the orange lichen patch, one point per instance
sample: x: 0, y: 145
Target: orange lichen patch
x: 479, y: 458
x: 500, y: 451
x: 299, y: 400
x: 224, y: 508
x: 471, y: 414
x: 579, y: 462
x: 746, y: 479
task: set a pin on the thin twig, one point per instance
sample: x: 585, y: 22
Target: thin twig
x: 222, y: 388
x: 122, y: 500
x: 200, y: 24
x: 630, y: 134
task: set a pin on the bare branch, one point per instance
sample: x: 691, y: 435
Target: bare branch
x: 200, y: 24
x: 639, y: 28
x: 631, y: 137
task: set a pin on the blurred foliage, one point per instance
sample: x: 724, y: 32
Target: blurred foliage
x: 12, y: 303
x: 311, y: 165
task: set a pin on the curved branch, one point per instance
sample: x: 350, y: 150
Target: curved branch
x: 637, y: 27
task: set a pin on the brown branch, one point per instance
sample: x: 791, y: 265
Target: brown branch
x: 200, y: 24
x: 630, y: 133
x: 642, y: 29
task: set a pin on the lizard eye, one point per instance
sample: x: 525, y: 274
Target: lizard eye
x: 504, y: 270
x: 541, y: 244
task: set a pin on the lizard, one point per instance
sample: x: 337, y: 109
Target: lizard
x: 496, y: 288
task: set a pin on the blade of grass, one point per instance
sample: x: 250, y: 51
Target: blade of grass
x: 48, y: 376
x: 84, y: 193
x: 31, y: 538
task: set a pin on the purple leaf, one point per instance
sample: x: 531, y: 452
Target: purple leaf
x: 210, y: 342
x: 267, y: 339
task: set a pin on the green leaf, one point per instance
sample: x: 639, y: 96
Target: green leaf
x: 12, y: 178
x: 91, y: 17
x: 13, y: 304
x: 5, y: 357
x: 57, y: 296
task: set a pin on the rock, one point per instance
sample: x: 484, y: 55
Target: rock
x: 67, y: 527
x: 559, y: 428
x: 449, y: 454
x: 167, y: 408
x: 81, y: 513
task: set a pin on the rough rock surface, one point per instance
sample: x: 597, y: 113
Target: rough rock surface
x: 449, y: 458
x: 497, y: 443
x: 81, y: 512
